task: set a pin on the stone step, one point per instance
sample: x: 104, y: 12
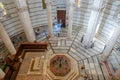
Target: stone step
x: 92, y: 51
x: 41, y: 38
x: 83, y: 52
x: 60, y: 51
x: 97, y: 50
x: 53, y: 41
x: 61, y: 47
x: 86, y: 51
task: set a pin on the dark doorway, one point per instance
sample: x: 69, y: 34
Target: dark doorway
x: 61, y: 16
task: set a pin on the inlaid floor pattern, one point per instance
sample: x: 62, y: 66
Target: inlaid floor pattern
x: 90, y: 58
x: 60, y: 44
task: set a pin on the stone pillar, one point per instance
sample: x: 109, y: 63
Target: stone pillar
x: 70, y: 17
x: 93, y: 22
x: 110, y: 44
x: 25, y: 19
x: 2, y: 74
x: 5, y: 38
x: 49, y: 15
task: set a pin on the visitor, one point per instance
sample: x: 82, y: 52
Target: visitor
x: 56, y: 29
x: 37, y: 32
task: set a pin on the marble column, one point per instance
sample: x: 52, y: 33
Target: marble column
x: 93, y: 22
x: 6, y: 40
x: 70, y: 17
x: 110, y: 44
x: 25, y: 19
x: 2, y: 74
x: 49, y: 16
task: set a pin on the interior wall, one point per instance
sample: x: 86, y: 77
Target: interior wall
x: 81, y: 14
x: 12, y: 23
x: 107, y: 21
x: 38, y: 15
x: 61, y: 4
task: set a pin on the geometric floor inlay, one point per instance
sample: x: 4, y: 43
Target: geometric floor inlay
x: 71, y: 75
x: 36, y: 65
x: 60, y: 65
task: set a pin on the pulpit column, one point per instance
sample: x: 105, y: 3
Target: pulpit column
x: 97, y: 8
x: 25, y: 19
x: 6, y: 40
x: 49, y: 16
x: 70, y: 17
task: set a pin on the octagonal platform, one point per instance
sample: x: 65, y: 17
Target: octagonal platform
x: 68, y: 69
x: 60, y: 65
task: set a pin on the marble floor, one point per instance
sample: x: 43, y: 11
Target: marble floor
x: 89, y: 58
x: 23, y: 72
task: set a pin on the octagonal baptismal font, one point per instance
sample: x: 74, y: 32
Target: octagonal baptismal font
x: 62, y: 67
